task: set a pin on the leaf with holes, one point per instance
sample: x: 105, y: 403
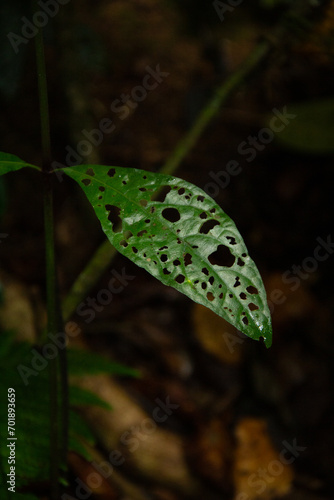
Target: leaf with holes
x: 185, y: 240
x: 10, y: 163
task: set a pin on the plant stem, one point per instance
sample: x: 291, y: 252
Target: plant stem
x: 43, y: 97
x: 88, y: 277
x: 52, y: 328
x: 214, y: 105
x: 57, y: 381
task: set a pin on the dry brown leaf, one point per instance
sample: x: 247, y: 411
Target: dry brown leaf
x: 260, y: 471
x: 20, y: 309
x: 216, y: 335
x: 153, y: 452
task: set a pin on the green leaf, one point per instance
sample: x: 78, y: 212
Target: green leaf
x: 82, y: 397
x: 10, y: 163
x: 312, y: 130
x: 185, y: 240
x: 81, y: 362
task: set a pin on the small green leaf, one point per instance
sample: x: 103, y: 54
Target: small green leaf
x: 10, y: 163
x: 82, y: 397
x: 81, y: 362
x: 186, y: 241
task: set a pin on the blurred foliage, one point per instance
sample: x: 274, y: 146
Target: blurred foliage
x: 32, y: 406
x: 312, y: 130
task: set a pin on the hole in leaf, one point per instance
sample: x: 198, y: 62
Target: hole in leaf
x: 165, y: 271
x: 171, y: 214
x: 243, y: 296
x: 221, y: 295
x: 100, y: 198
x: 176, y: 262
x: 114, y: 218
x: 210, y: 296
x: 196, y: 282
x: 204, y: 285
x: 181, y: 191
x: 245, y: 320
x: 180, y: 278
x: 243, y: 255
x: 111, y: 172
x: 231, y: 239
x: 124, y: 183
x: 252, y: 290
x: 187, y: 259
x: 212, y: 210
x: 230, y: 295
x: 142, y: 189
x: 237, y: 282
x: 222, y: 257
x: 124, y: 243
x: 240, y: 262
x: 194, y: 246
x: 102, y: 188
x: 252, y: 307
x: 152, y: 210
x: 147, y: 221
x: 208, y: 225
x: 135, y: 250
x: 203, y: 215
x: 164, y: 257
x: 211, y: 280
x: 86, y: 182
x: 143, y: 203
x: 163, y: 193
x: 163, y: 248
x: 90, y: 171
x: 205, y: 271
x: 200, y: 198
x: 141, y: 233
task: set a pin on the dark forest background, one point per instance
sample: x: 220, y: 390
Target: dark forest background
x: 238, y: 404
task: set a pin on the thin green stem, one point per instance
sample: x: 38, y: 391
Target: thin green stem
x: 88, y: 277
x: 214, y: 106
x: 52, y: 328
x: 43, y: 97
x: 58, y: 382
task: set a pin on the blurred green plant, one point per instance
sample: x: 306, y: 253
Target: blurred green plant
x: 22, y: 368
x: 312, y: 130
